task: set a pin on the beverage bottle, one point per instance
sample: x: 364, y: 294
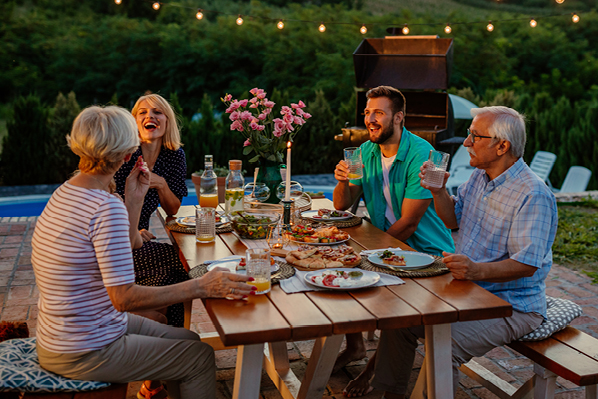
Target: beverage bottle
x: 208, y: 196
x: 233, y: 198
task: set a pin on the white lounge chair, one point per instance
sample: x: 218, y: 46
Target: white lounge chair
x: 542, y: 164
x: 576, y: 180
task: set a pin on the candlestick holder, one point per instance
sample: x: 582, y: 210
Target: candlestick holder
x: 286, y: 214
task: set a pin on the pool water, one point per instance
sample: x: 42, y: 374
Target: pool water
x: 33, y: 205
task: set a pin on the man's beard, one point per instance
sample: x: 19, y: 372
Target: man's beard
x: 386, y: 133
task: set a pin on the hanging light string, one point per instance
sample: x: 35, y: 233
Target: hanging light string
x: 405, y: 28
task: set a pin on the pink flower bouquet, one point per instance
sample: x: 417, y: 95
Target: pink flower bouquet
x: 265, y: 136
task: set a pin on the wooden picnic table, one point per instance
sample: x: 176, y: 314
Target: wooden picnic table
x: 261, y: 327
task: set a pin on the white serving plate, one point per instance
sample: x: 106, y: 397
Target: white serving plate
x: 231, y: 263
x: 413, y: 260
x: 367, y: 280
x: 320, y: 243
x: 313, y: 215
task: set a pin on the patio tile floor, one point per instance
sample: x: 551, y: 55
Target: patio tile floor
x: 18, y: 302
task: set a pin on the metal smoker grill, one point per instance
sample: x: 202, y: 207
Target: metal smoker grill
x: 418, y: 66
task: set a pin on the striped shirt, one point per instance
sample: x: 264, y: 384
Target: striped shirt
x: 80, y: 246
x: 514, y: 217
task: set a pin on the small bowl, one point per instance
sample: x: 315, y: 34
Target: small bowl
x: 254, y: 226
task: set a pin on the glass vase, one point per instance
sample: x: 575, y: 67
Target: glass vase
x: 269, y: 174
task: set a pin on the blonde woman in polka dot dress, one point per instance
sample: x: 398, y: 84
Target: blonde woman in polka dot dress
x: 158, y: 264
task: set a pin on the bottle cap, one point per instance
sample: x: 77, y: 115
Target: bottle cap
x: 235, y: 164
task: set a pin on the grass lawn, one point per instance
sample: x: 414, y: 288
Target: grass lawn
x: 576, y: 243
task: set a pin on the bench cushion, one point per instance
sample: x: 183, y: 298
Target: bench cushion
x: 559, y: 313
x: 20, y: 371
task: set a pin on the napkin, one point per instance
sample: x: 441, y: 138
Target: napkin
x: 297, y: 283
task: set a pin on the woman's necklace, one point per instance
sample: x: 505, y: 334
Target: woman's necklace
x: 102, y: 184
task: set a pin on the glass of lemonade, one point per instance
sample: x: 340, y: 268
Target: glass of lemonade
x: 436, y: 168
x: 205, y: 224
x: 353, y: 160
x: 258, y: 267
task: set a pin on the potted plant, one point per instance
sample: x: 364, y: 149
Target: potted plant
x: 221, y: 173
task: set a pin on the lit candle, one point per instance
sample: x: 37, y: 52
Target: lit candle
x: 287, y: 191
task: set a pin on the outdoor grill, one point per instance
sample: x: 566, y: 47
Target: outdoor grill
x: 419, y: 66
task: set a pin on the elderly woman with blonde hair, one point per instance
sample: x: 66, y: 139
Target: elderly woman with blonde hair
x: 84, y: 271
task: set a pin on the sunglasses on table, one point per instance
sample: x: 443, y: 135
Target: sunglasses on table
x: 473, y: 136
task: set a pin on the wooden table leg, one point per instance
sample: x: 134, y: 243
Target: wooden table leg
x: 248, y: 371
x: 320, y: 366
x: 439, y: 368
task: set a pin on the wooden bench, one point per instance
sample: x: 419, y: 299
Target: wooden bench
x: 570, y: 354
x: 114, y: 391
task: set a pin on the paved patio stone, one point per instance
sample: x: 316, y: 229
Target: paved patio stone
x: 18, y: 302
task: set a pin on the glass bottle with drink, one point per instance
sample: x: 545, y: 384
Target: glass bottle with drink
x: 208, y: 196
x: 235, y: 193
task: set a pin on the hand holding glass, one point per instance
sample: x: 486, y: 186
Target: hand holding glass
x: 354, y: 163
x: 436, y: 168
x: 205, y: 224
x: 258, y: 267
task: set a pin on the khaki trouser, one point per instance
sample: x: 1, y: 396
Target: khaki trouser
x: 148, y: 351
x: 396, y: 350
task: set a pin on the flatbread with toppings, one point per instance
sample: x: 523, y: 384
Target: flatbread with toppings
x: 309, y: 258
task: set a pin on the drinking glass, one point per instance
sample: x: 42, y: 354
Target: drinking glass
x: 205, y: 224
x: 256, y: 192
x: 258, y: 267
x: 276, y: 238
x: 353, y: 160
x: 435, y: 168
x: 296, y: 190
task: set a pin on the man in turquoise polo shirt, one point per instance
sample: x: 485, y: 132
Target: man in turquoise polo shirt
x: 391, y: 187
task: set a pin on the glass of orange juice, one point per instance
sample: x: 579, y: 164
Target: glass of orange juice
x: 258, y: 267
x: 205, y: 225
x: 208, y: 200
x: 353, y: 160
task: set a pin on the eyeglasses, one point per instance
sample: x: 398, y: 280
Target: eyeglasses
x: 473, y: 136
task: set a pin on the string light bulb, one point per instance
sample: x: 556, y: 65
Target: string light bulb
x: 239, y: 20
x: 447, y: 29
x: 363, y: 30
x: 575, y: 18
x: 405, y: 30
x: 118, y: 1
x: 560, y: 1
x: 156, y: 6
x: 322, y: 28
x: 280, y: 24
x: 199, y: 14
x: 490, y: 27
x: 533, y: 23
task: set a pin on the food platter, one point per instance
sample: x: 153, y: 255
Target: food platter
x: 413, y: 260
x: 231, y: 263
x: 367, y: 279
x: 189, y: 221
x: 320, y: 243
x: 313, y: 215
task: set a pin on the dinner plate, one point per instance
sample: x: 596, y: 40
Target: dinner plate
x: 189, y: 221
x: 321, y: 243
x: 368, y: 279
x: 231, y: 263
x: 313, y: 215
x: 413, y: 260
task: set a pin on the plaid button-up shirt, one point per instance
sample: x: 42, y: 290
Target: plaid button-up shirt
x: 514, y: 217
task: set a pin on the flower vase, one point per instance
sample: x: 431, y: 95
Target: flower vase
x: 269, y: 174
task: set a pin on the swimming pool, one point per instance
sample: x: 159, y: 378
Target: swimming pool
x: 33, y: 205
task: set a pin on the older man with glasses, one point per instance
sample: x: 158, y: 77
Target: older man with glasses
x: 507, y: 220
